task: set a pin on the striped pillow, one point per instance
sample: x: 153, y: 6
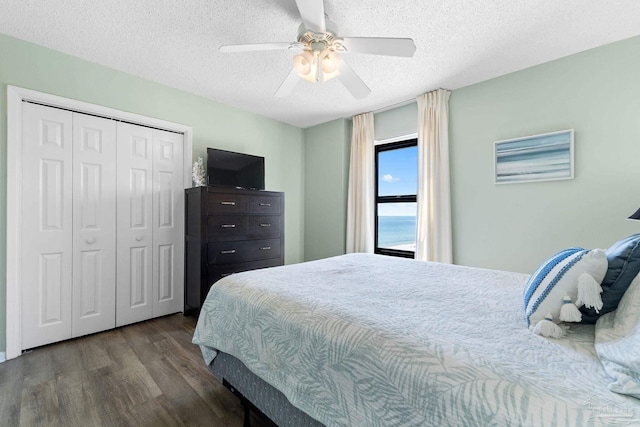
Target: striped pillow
x: 558, y: 277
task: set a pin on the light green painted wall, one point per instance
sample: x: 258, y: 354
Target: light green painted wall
x: 396, y: 122
x: 515, y: 227
x: 214, y: 125
x: 327, y: 151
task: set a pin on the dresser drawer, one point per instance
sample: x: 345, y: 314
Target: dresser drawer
x: 243, y: 251
x: 226, y: 203
x: 217, y: 272
x: 264, y: 226
x: 222, y: 228
x: 265, y: 205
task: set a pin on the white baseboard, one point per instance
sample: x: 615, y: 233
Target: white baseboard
x: 2, y: 356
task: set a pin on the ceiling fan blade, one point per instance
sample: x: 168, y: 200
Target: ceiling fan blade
x: 312, y: 13
x: 288, y: 84
x: 380, y: 46
x: 352, y: 82
x: 259, y: 46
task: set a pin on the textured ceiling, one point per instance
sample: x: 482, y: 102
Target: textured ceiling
x: 458, y: 43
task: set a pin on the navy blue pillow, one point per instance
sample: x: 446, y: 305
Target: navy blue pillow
x: 624, y: 266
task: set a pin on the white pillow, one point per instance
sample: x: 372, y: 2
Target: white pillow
x: 557, y: 277
x: 618, y: 342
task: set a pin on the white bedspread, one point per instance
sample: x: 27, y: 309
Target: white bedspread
x: 367, y: 340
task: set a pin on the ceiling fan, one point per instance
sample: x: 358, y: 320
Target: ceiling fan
x: 321, y: 51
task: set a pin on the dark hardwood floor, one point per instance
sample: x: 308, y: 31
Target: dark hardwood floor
x: 146, y: 374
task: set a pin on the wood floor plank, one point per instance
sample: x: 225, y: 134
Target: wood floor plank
x: 77, y: 401
x: 32, y: 367
x: 65, y: 361
x: 188, y: 405
x: 159, y: 412
x: 93, y: 351
x: 40, y: 405
x: 11, y: 383
x: 146, y: 374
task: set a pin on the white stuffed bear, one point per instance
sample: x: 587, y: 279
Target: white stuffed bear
x: 571, y: 275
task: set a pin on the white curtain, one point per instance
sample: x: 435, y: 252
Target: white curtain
x: 361, y: 198
x: 433, y: 240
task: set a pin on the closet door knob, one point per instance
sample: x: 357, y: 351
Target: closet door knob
x: 91, y: 240
x: 138, y: 238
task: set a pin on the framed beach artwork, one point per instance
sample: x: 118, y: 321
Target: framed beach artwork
x: 545, y: 157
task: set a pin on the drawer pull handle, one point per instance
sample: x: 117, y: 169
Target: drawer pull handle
x: 265, y: 204
x: 265, y: 248
x: 228, y: 226
x: 230, y: 251
x: 228, y: 203
x: 265, y: 225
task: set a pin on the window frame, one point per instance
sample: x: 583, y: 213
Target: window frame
x: 400, y: 198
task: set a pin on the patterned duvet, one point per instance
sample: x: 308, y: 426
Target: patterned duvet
x: 368, y: 340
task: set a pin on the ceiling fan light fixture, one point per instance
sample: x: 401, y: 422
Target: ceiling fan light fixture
x: 303, y: 63
x: 321, y: 57
x: 306, y: 64
x: 330, y: 60
x: 315, y: 66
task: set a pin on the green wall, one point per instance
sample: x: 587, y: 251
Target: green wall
x: 401, y: 121
x: 327, y: 151
x: 214, y: 125
x: 516, y: 226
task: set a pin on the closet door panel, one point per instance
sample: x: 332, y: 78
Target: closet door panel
x: 168, y: 223
x: 94, y: 224
x: 134, y: 248
x: 46, y: 228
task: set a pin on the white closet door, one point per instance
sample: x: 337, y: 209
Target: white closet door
x: 168, y: 223
x: 46, y: 245
x: 134, y: 245
x: 94, y: 224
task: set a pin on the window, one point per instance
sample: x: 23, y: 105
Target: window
x: 395, y: 204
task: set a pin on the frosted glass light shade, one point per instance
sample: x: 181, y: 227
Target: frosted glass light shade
x: 330, y: 61
x: 303, y: 63
x: 314, y: 66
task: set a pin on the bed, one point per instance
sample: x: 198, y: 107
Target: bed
x: 369, y: 340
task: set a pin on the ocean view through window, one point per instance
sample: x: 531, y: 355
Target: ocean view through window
x: 396, y: 208
x: 397, y: 232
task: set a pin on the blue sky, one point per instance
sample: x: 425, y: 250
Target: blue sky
x: 398, y: 175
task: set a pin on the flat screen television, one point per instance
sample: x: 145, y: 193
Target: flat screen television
x: 230, y: 169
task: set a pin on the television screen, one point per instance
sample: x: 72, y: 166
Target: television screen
x: 229, y: 169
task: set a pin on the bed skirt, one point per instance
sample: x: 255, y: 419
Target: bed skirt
x: 261, y: 394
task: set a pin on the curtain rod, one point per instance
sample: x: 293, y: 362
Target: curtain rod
x: 396, y: 105
x: 388, y: 107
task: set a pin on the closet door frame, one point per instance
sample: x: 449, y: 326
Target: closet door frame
x: 15, y: 97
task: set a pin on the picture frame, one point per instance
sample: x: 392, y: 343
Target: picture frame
x: 543, y: 157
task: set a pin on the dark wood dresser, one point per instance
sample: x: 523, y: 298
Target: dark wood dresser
x: 228, y: 231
